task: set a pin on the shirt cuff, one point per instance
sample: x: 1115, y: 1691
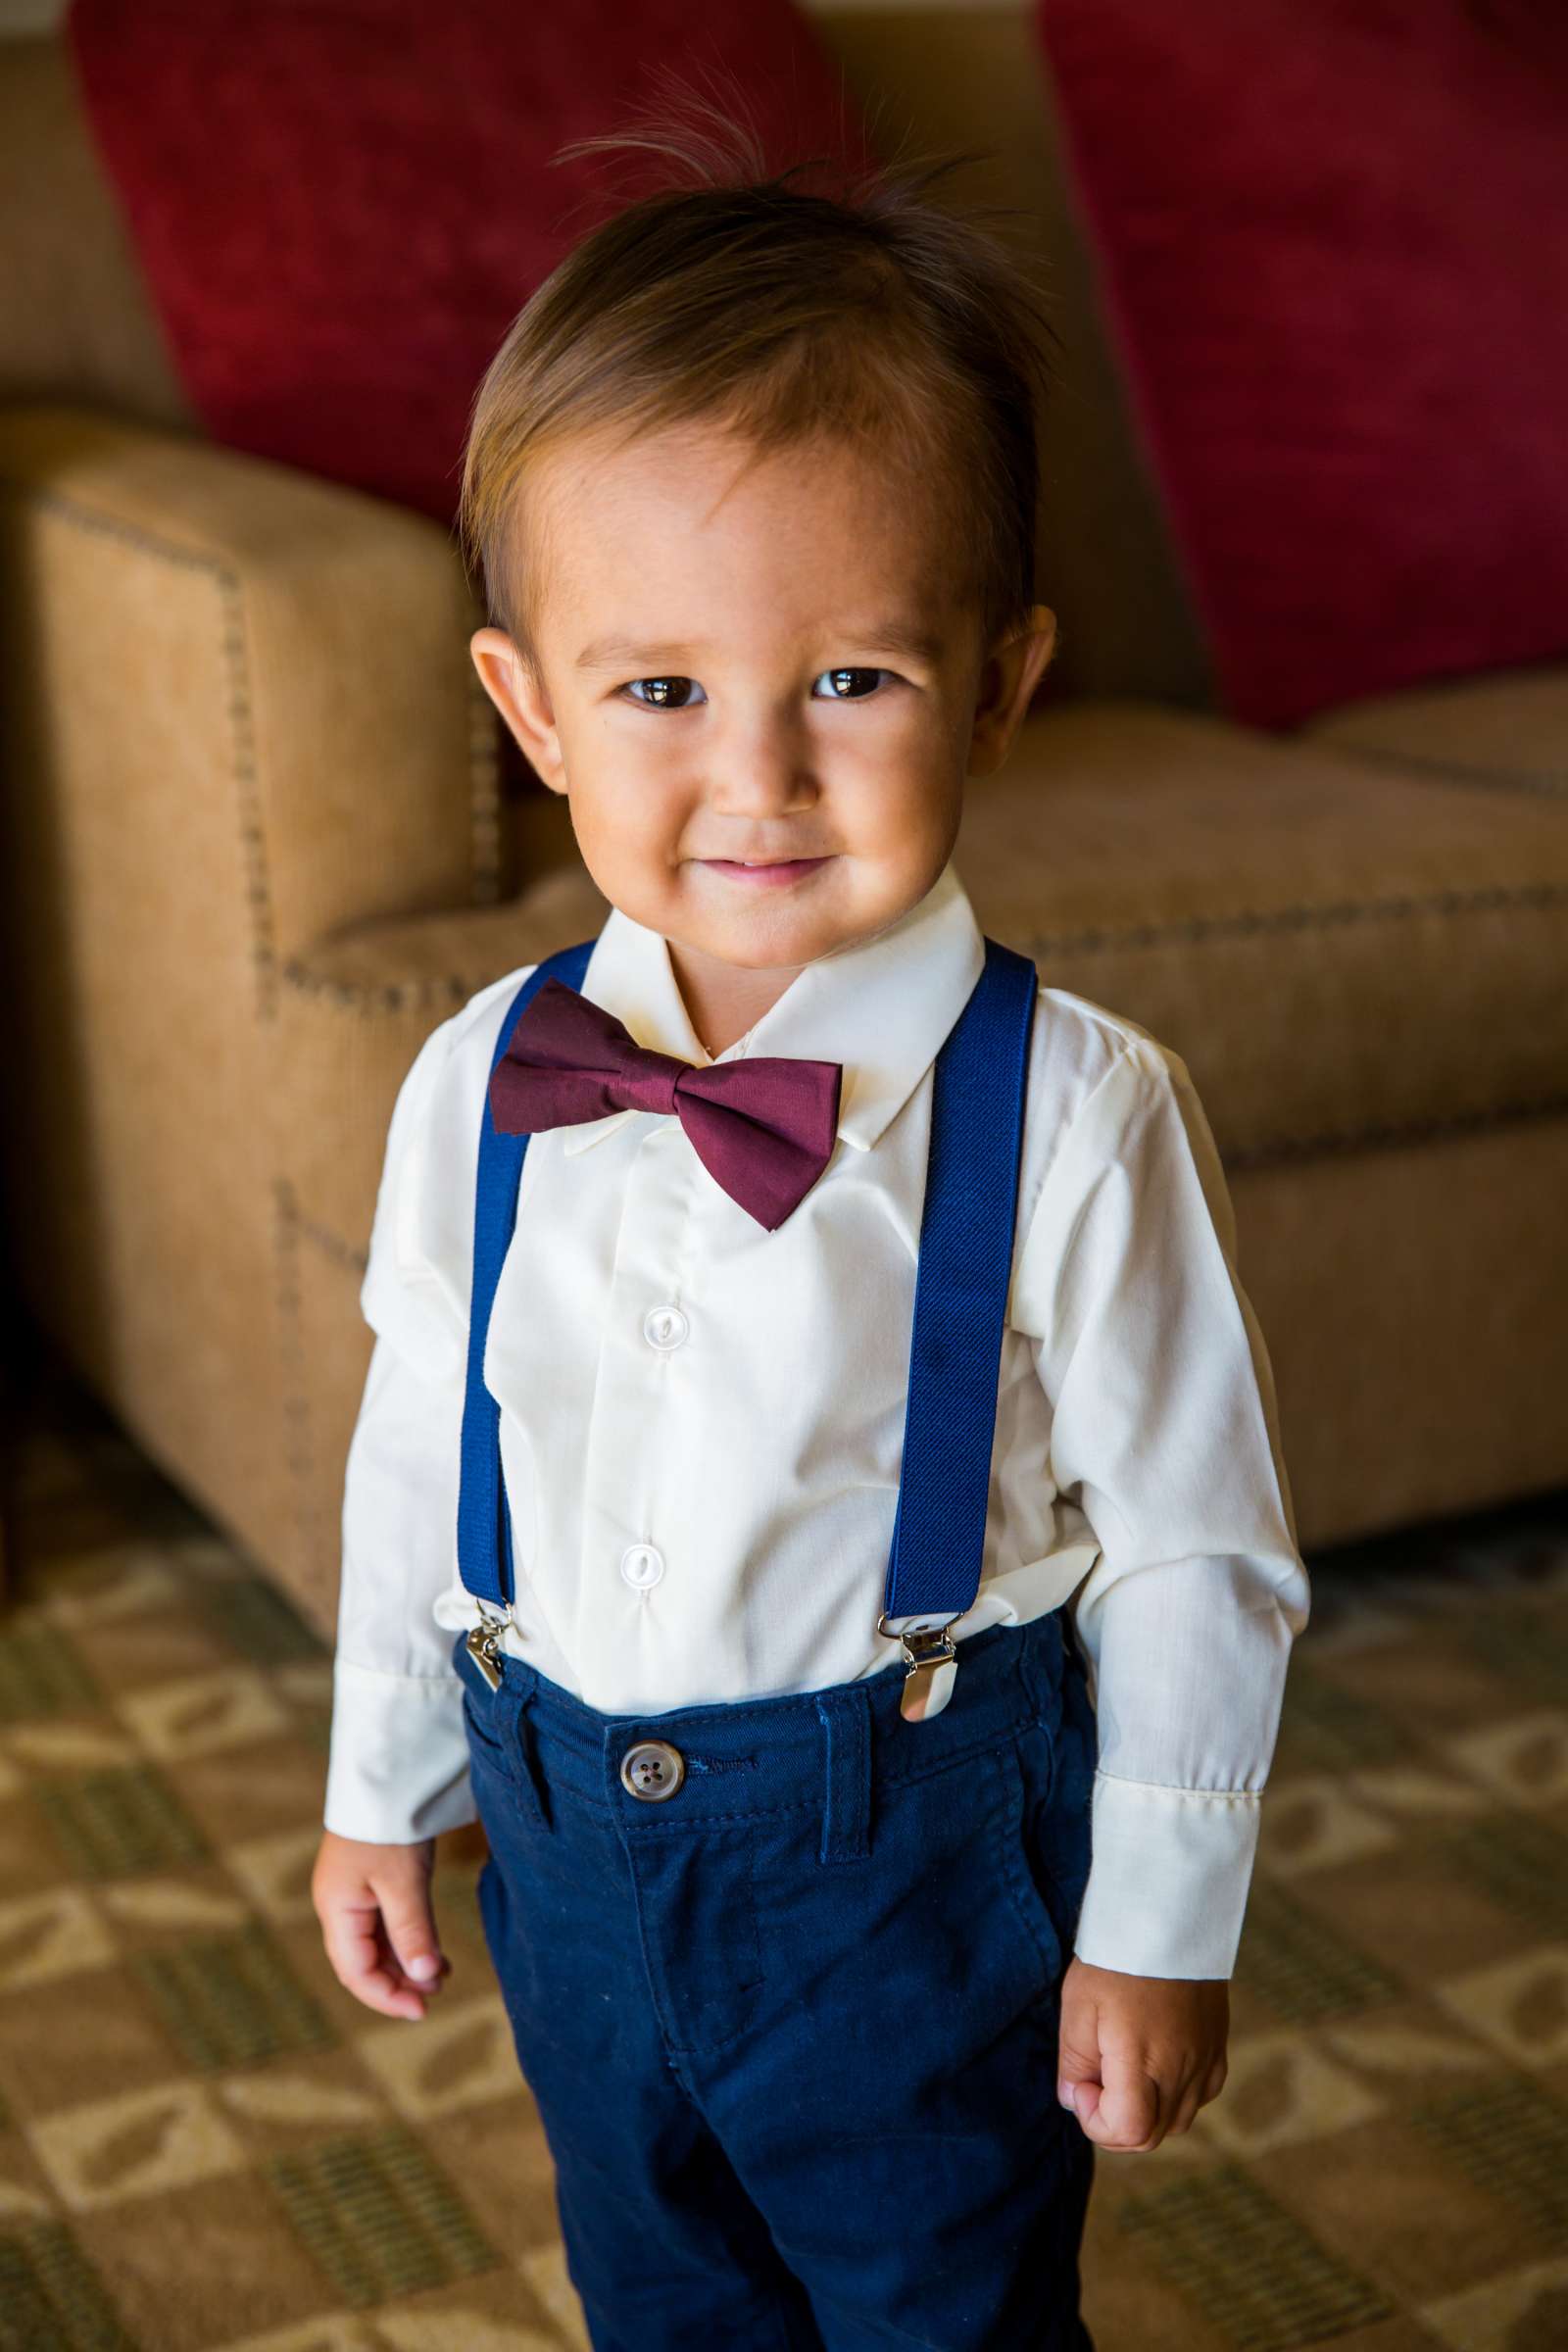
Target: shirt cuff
x: 398, y: 1771
x: 1168, y: 1878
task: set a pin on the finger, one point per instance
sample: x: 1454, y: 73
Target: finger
x: 1184, y: 2112
x: 397, y: 1975
x: 1127, y: 2114
x: 410, y: 1927
x: 387, y: 1958
x: 359, y: 1959
x: 1078, y: 2079
x: 1213, y: 2081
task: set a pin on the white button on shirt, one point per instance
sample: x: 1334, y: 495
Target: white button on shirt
x: 642, y: 1565
x: 664, y: 1327
x: 703, y: 1492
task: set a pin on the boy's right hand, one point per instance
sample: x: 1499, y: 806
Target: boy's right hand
x: 374, y: 1904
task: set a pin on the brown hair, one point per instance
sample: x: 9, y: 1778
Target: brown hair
x: 735, y: 296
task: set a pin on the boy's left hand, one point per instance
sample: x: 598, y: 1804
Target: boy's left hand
x: 1140, y: 2055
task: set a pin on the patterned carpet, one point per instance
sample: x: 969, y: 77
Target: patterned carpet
x: 204, y: 2142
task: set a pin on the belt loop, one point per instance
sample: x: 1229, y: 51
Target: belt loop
x: 528, y: 1758
x: 1041, y: 1653
x: 845, y: 1719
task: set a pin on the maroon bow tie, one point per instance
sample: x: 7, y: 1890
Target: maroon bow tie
x: 764, y: 1129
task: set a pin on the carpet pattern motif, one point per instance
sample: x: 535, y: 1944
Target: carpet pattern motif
x: 205, y: 2143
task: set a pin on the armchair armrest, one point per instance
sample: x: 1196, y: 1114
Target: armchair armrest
x: 210, y: 644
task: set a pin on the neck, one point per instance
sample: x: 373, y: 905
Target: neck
x: 724, y: 1000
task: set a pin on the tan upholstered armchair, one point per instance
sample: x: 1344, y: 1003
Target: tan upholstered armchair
x: 257, y: 849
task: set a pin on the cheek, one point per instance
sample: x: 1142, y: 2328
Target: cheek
x: 912, y: 753
x: 622, y: 803
x: 628, y: 829
x: 906, y: 810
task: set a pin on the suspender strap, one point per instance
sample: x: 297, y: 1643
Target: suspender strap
x: 960, y: 1293
x: 484, y: 1523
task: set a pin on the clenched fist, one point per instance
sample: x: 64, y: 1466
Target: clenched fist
x: 1140, y: 2055
x: 374, y: 1904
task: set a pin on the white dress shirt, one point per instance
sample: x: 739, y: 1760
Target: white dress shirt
x: 702, y: 1421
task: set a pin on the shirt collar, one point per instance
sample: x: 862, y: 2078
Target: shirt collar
x: 881, y: 1006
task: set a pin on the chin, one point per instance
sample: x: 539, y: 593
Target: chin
x: 762, y: 947
x: 755, y: 934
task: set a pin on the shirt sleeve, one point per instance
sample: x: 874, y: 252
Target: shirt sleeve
x: 1165, y: 1432
x: 398, y: 1767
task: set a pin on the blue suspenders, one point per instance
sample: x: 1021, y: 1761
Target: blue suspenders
x: 484, y: 1523
x: 960, y: 1296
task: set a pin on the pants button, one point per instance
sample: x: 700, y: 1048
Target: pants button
x: 652, y: 1770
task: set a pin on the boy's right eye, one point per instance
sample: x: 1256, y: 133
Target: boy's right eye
x: 668, y: 694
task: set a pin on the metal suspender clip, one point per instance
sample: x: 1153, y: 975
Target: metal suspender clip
x: 484, y: 1643
x: 931, y: 1665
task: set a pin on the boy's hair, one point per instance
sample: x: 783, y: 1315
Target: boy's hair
x: 866, y: 315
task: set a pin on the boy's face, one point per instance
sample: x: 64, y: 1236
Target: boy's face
x: 765, y: 671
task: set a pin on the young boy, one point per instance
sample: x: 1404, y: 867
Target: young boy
x: 768, y: 1473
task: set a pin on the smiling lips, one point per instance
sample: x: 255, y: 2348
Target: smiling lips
x: 788, y: 870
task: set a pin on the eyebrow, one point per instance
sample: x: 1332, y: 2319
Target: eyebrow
x: 888, y: 636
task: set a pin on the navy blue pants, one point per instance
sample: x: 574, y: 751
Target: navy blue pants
x: 792, y: 2027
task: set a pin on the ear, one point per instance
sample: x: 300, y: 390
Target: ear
x: 1007, y: 678
x: 522, y: 701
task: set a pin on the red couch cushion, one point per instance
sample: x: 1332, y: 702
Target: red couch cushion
x: 1333, y: 248
x: 340, y: 205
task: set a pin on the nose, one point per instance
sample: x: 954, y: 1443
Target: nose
x: 762, y: 768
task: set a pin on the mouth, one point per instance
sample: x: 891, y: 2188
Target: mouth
x: 772, y: 873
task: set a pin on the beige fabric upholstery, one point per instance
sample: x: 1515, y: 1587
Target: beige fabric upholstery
x: 1415, y: 1301
x: 1342, y: 954
x: 1508, y: 730
x: 254, y: 854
